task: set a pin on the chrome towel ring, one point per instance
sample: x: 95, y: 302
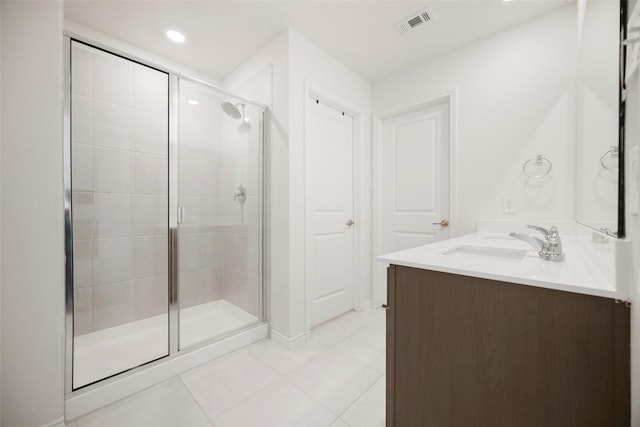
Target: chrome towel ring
x: 540, y: 164
x: 613, y: 152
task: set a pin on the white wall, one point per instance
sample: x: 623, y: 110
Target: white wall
x: 32, y: 262
x: 597, y: 115
x: 514, y: 99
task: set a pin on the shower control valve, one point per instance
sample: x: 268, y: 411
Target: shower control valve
x: 240, y: 194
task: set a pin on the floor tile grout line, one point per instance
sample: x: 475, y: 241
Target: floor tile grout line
x: 247, y: 398
x: 339, y: 341
x: 307, y: 394
x: 299, y: 366
x: 351, y: 321
x: 314, y: 400
x: 269, y: 384
x: 331, y: 347
x: 359, y: 324
x: 195, y: 400
x: 352, y: 358
x: 378, y: 376
x: 338, y: 418
x: 362, y: 394
x: 341, y: 419
x: 359, y: 362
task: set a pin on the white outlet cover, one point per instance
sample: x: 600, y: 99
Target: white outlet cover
x: 508, y: 206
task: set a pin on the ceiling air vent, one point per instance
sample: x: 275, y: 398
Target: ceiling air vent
x: 415, y: 20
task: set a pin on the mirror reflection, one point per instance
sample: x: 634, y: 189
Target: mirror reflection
x: 597, y: 151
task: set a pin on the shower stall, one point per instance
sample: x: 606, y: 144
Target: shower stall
x: 163, y: 215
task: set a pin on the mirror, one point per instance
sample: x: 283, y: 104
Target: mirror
x: 598, y: 103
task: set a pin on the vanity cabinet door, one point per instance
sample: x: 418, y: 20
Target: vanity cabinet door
x: 464, y: 351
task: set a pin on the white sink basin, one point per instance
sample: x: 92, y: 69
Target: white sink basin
x: 485, y: 251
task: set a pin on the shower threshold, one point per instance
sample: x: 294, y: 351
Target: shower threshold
x: 107, y: 352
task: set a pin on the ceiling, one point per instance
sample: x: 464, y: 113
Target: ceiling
x: 221, y: 35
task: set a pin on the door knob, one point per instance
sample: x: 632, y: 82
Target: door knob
x: 350, y: 223
x: 444, y: 223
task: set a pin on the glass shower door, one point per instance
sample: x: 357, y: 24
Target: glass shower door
x: 119, y: 210
x: 220, y: 195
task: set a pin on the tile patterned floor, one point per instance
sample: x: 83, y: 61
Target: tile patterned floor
x: 336, y: 379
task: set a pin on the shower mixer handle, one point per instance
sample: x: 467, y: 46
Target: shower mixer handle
x: 240, y: 194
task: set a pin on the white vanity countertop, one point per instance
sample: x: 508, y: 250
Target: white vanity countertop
x: 589, y: 268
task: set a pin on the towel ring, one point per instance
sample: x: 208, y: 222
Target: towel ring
x: 538, y: 161
x: 613, y: 152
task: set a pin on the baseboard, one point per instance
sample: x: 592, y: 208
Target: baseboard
x: 290, y: 343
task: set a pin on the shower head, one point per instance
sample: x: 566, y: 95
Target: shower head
x: 232, y: 110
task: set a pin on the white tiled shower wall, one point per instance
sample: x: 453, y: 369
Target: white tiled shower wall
x: 120, y: 190
x: 218, y: 253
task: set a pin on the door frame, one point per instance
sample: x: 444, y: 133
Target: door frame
x: 450, y: 98
x: 313, y: 92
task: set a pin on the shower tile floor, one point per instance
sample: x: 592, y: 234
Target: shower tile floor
x: 336, y: 379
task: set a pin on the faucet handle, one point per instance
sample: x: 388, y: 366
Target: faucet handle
x: 542, y: 230
x: 554, y: 237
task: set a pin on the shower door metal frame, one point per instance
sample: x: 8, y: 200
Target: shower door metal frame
x: 174, y: 303
x: 173, y: 265
x: 263, y: 308
x: 68, y: 216
x: 68, y: 224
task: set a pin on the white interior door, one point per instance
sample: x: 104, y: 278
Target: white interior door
x: 414, y: 181
x: 329, y: 211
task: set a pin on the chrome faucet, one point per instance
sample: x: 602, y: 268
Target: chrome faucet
x: 550, y: 248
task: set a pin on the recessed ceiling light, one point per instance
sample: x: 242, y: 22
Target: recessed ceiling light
x: 176, y: 36
x: 193, y: 101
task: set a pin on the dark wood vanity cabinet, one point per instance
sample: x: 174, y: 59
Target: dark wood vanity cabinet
x: 464, y: 351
